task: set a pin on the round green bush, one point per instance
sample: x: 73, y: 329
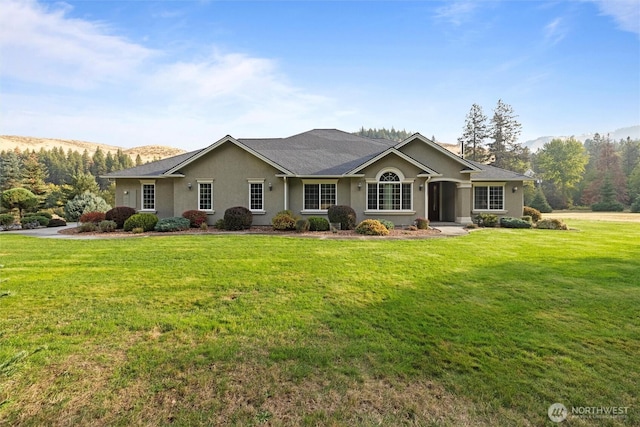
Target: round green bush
x: 302, y: 225
x: 107, y: 226
x: 119, y: 214
x: 237, y: 218
x: 343, y: 214
x: 317, y: 223
x: 372, y: 227
x: 7, y: 220
x: 41, y: 220
x: 283, y: 221
x: 146, y: 221
x: 87, y: 227
x: 173, y: 224
x: 44, y: 214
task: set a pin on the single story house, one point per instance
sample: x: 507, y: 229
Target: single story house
x: 309, y: 172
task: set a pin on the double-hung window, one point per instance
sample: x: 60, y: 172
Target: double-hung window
x: 488, y: 197
x: 256, y: 195
x: 389, y: 193
x: 148, y: 192
x: 205, y: 195
x: 319, y: 196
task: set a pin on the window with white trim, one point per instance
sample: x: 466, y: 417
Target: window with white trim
x: 256, y: 196
x: 389, y: 193
x: 319, y: 196
x: 148, y: 195
x: 205, y: 195
x: 488, y: 197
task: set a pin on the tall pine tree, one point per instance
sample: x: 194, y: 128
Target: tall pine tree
x: 504, y: 131
x: 474, y: 134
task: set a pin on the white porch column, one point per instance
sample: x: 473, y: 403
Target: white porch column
x: 286, y: 193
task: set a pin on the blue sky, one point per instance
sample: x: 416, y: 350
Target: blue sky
x: 186, y: 73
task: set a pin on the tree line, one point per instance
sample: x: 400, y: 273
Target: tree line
x: 55, y: 176
x: 601, y: 174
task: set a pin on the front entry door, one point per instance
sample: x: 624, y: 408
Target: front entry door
x: 434, y: 201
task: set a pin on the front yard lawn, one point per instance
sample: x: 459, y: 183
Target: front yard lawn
x: 485, y: 329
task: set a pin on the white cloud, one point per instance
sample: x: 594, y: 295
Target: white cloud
x: 456, y: 12
x: 555, y: 31
x: 626, y: 13
x: 71, y: 78
x: 40, y: 44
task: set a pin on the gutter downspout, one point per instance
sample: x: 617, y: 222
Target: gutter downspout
x: 286, y: 192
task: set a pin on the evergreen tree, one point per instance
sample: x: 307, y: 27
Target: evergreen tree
x: 138, y: 160
x: 34, y: 176
x: 540, y: 202
x: 630, y: 155
x: 474, y: 134
x: 504, y: 131
x: 82, y: 183
x: 10, y: 170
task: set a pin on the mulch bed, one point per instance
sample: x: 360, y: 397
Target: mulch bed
x: 265, y: 230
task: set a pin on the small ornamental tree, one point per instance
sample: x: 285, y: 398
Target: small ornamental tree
x: 19, y: 198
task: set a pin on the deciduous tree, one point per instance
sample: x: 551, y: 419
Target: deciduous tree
x: 562, y: 163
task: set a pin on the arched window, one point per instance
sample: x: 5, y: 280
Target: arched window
x: 389, y: 193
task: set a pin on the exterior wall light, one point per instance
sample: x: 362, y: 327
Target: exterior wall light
x: 359, y: 185
x: 189, y: 186
x: 514, y: 189
x: 270, y: 187
x: 420, y: 187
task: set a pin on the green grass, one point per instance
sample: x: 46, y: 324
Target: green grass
x: 486, y: 329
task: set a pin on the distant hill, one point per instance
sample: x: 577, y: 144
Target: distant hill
x: 146, y: 152
x: 616, y: 135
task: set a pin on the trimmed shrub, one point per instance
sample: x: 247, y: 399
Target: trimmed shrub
x: 343, y: 214
x: 283, y: 221
x: 486, y: 220
x: 146, y: 221
x: 551, y: 224
x: 6, y: 220
x: 204, y: 226
x: 176, y: 223
x: 95, y: 217
x: 534, y: 213
x: 508, y: 222
x: 87, y: 227
x: 372, y: 227
x: 119, y: 214
x: 612, y: 206
x: 44, y: 214
x: 42, y: 221
x: 107, y: 226
x: 219, y: 224
x: 635, y: 207
x: 57, y: 222
x: 422, y: 223
x: 390, y: 225
x: 195, y: 217
x: 138, y: 230
x: 302, y: 225
x: 86, y: 202
x: 237, y: 218
x: 30, y: 225
x: 527, y: 218
x: 317, y: 223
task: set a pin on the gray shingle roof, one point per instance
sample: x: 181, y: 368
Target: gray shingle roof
x: 492, y: 173
x: 316, y: 152
x: 320, y: 151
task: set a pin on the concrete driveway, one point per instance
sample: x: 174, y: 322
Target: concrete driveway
x: 48, y: 232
